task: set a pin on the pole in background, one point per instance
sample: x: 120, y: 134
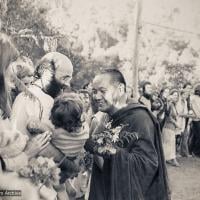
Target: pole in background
x: 135, y: 93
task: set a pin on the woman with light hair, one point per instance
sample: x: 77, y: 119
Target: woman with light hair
x: 22, y: 69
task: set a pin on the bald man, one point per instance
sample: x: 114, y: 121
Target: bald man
x: 53, y: 74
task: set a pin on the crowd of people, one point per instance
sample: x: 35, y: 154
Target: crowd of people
x: 177, y: 111
x: 41, y: 115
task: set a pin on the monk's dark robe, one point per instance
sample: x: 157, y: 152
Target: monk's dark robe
x: 136, y: 172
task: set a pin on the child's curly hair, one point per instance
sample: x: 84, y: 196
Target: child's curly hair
x: 67, y: 111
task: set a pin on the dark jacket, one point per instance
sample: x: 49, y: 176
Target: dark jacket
x: 137, y: 171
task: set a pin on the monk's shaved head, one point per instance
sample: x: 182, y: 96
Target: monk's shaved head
x: 114, y: 76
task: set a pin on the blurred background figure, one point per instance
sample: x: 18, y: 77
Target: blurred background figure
x: 194, y: 140
x: 145, y: 99
x: 156, y: 104
x: 170, y: 129
x: 161, y: 116
x: 184, y: 123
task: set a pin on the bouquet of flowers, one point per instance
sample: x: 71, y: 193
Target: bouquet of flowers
x: 107, y: 140
x: 41, y: 171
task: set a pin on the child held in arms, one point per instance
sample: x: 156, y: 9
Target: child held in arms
x: 70, y: 130
x: 69, y: 134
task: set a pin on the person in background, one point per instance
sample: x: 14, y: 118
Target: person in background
x: 182, y: 109
x: 187, y: 88
x: 145, y: 99
x: 161, y: 116
x: 170, y: 129
x: 194, y: 138
x: 86, y: 98
x: 156, y: 104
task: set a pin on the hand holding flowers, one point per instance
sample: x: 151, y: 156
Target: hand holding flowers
x: 106, y: 141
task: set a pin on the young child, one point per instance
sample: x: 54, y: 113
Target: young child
x: 70, y: 133
x: 70, y: 130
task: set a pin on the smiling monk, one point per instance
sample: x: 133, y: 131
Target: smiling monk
x: 137, y: 170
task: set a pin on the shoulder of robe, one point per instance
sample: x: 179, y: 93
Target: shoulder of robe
x: 140, y: 112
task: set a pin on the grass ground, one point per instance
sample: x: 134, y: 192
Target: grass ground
x: 185, y: 180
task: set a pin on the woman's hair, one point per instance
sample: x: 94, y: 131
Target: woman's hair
x: 8, y: 53
x: 23, y: 67
x: 174, y: 91
x: 163, y: 90
x: 187, y: 84
x: 66, y: 113
x: 144, y: 85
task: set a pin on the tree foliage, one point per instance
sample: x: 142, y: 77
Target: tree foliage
x: 95, y: 36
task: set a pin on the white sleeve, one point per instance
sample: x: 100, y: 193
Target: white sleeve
x: 16, y: 163
x: 23, y: 109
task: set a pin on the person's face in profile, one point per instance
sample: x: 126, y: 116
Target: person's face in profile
x: 86, y: 99
x: 166, y: 93
x: 64, y: 80
x: 184, y: 95
x: 188, y: 89
x: 64, y: 76
x: 148, y: 89
x: 104, y: 93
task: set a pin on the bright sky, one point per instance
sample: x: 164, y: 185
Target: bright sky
x: 186, y: 13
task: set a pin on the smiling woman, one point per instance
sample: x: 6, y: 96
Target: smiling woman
x: 21, y: 71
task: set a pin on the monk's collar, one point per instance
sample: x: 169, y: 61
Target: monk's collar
x: 117, y: 111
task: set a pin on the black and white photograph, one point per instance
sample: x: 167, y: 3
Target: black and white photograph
x: 99, y: 99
